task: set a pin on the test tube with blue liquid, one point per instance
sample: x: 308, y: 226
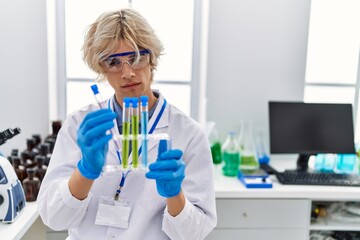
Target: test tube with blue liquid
x: 144, y: 109
x: 135, y: 132
x: 126, y: 132
x: 99, y: 100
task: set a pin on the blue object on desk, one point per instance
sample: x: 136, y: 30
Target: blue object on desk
x: 256, y: 179
x: 346, y: 163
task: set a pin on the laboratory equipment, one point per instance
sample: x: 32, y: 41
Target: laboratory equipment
x: 248, y: 161
x: 126, y: 121
x: 8, y: 134
x: 55, y: 126
x: 18, y: 168
x: 325, y: 162
x: 346, y: 163
x: 41, y: 168
x: 31, y: 185
x: 256, y: 179
x: 261, y: 148
x: 37, y: 139
x: 135, y: 132
x: 12, y: 197
x: 231, y: 155
x: 144, y: 109
x: 215, y: 145
x: 152, y: 140
x: 99, y: 100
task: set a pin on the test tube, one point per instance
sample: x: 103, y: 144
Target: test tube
x: 99, y: 100
x: 135, y: 132
x: 144, y: 129
x: 126, y: 132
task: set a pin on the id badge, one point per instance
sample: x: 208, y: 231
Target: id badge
x: 113, y: 213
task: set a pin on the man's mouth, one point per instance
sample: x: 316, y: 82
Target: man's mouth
x: 130, y: 85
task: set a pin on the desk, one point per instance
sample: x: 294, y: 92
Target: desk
x: 22, y: 223
x: 275, y: 213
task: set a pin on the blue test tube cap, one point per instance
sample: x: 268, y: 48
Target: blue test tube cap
x: 134, y: 102
x: 127, y: 101
x: 95, y: 89
x: 144, y: 100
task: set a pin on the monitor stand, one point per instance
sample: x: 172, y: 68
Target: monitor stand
x: 302, y: 162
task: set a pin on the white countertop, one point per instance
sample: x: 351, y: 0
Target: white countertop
x: 22, y: 223
x: 231, y: 187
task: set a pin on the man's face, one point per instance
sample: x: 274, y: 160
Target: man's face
x: 126, y: 80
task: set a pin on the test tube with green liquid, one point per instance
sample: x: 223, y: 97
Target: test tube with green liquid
x: 135, y: 132
x: 126, y: 132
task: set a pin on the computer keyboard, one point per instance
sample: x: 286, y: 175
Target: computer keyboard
x: 312, y: 178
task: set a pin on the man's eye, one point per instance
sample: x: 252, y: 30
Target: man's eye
x: 113, y: 62
x: 132, y: 59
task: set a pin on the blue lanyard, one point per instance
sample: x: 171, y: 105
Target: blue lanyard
x: 124, y: 175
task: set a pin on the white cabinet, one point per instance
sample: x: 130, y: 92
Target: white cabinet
x: 281, y: 212
x: 262, y: 219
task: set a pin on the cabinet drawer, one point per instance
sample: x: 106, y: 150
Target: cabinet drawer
x: 263, y: 213
x: 259, y: 234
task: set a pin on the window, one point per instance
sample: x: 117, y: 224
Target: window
x: 178, y: 72
x: 332, y: 73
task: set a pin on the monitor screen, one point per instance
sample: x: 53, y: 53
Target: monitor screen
x: 310, y: 128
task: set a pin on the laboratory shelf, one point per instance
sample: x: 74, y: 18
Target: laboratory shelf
x: 325, y: 224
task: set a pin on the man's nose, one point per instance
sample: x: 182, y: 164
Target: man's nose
x: 127, y: 71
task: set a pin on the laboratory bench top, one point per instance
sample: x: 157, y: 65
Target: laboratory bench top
x: 22, y: 223
x: 231, y: 187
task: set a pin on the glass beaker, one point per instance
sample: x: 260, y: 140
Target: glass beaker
x: 249, y: 161
x: 231, y: 155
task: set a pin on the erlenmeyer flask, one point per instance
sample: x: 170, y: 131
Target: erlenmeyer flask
x: 249, y: 161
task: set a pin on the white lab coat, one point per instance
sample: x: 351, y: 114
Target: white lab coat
x: 149, y: 218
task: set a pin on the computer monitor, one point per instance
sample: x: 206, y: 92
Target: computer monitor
x: 310, y: 128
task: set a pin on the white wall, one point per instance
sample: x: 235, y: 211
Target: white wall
x: 257, y: 52
x: 23, y: 68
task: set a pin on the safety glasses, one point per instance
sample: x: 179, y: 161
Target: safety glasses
x: 115, y: 62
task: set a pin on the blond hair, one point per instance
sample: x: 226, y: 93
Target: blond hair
x: 104, y: 34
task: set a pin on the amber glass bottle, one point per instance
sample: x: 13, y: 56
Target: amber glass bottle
x: 19, y: 169
x: 40, y: 167
x: 56, y: 125
x: 31, y: 185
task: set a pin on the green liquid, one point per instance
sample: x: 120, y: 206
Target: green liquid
x: 232, y: 162
x: 216, y: 153
x: 248, y: 163
x: 125, y: 145
x: 135, y: 141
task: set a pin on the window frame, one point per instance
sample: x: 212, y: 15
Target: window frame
x: 356, y: 86
x: 198, y: 67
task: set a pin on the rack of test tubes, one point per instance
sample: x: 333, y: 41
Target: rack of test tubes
x: 135, y: 114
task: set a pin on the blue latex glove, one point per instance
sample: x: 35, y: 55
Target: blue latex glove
x: 93, y: 141
x: 168, y: 171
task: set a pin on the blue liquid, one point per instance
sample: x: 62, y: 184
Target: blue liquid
x: 346, y: 163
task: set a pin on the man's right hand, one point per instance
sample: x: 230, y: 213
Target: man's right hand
x: 93, y: 141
